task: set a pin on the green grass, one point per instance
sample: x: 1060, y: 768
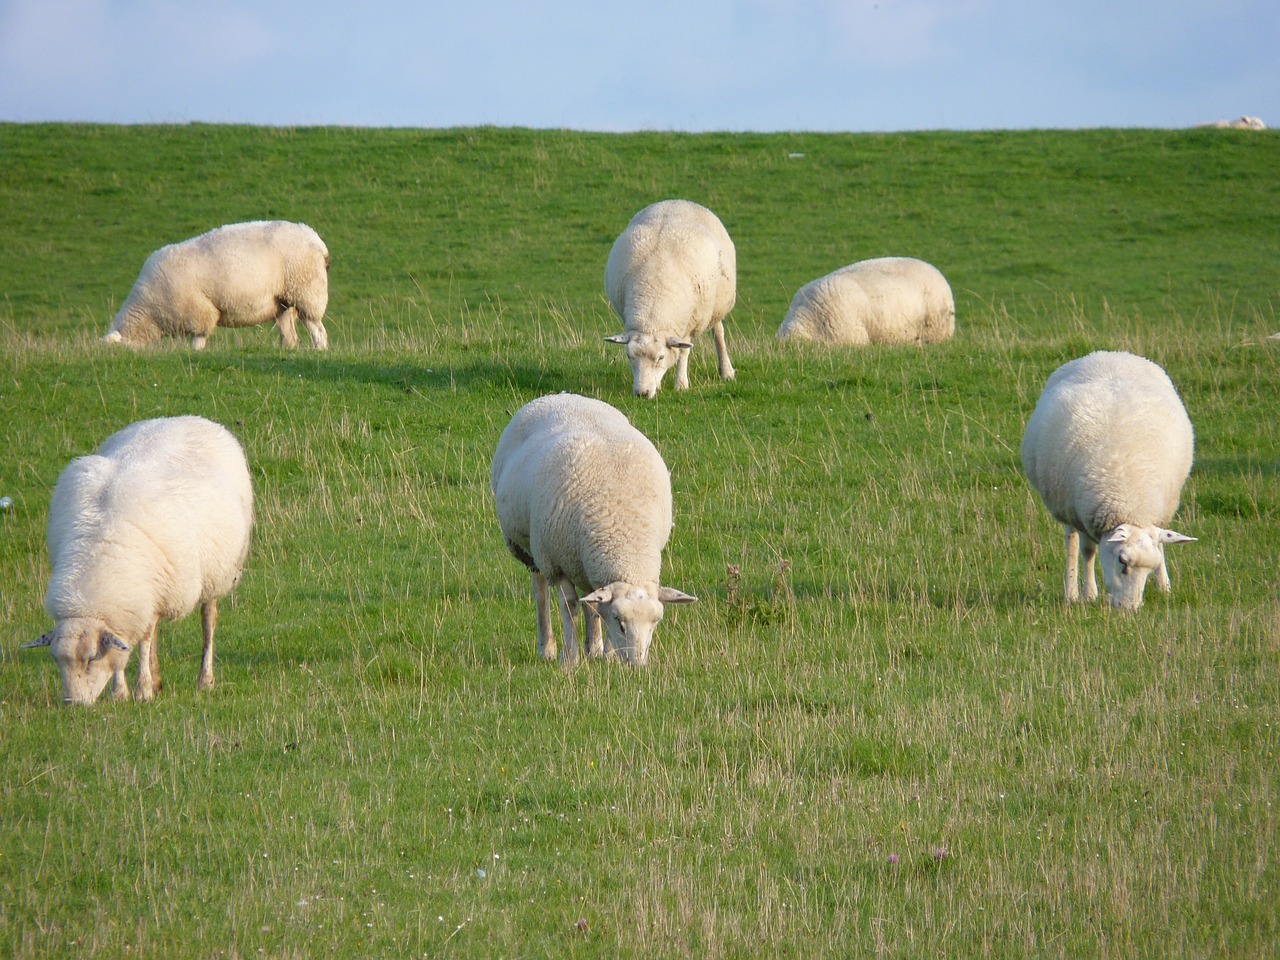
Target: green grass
x: 879, y: 663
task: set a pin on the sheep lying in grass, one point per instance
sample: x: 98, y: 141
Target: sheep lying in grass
x: 1108, y: 448
x: 239, y: 275
x: 584, y: 501
x: 1240, y: 123
x: 671, y: 275
x: 887, y: 300
x: 152, y: 524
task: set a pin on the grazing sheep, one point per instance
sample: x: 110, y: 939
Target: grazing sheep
x: 887, y: 300
x: 239, y: 275
x: 153, y: 523
x: 672, y: 274
x: 584, y: 501
x: 1109, y: 448
x: 1241, y: 123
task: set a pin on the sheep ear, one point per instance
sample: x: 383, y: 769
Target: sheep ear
x: 675, y: 343
x: 43, y: 641
x: 1119, y: 535
x: 603, y: 595
x: 109, y: 640
x: 1173, y: 536
x: 672, y: 595
x: 622, y: 338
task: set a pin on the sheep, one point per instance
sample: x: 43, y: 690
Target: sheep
x: 238, y: 275
x: 156, y: 521
x: 671, y: 275
x: 1108, y: 448
x: 886, y: 300
x: 1242, y: 123
x: 584, y: 501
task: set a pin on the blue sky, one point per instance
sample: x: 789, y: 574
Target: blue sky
x: 765, y: 65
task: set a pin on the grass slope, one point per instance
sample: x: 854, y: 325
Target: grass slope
x: 879, y: 732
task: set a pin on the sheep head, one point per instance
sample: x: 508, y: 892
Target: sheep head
x: 1129, y: 555
x: 651, y: 357
x: 87, y: 653
x: 630, y: 614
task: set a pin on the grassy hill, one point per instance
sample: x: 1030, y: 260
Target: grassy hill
x: 878, y: 732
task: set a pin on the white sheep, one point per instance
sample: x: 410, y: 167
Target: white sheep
x: 1108, y: 448
x: 671, y: 275
x: 584, y: 501
x: 886, y: 300
x: 238, y: 275
x: 156, y: 521
x: 1241, y: 123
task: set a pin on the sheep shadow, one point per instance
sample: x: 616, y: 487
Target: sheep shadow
x: 407, y: 378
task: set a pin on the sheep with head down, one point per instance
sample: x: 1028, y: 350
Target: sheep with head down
x: 152, y: 524
x: 671, y: 275
x: 238, y: 275
x: 1109, y: 448
x: 584, y: 501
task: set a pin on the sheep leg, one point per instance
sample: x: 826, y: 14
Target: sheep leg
x: 1072, y: 585
x: 319, y: 336
x: 1162, y: 573
x: 595, y: 633
x: 287, y: 323
x: 1090, y: 569
x: 203, y: 320
x: 682, y: 368
x: 157, y: 683
x: 146, y: 661
x: 722, y: 352
x: 315, y: 328
x: 120, y: 686
x: 208, y: 621
x: 569, y: 611
x: 542, y: 601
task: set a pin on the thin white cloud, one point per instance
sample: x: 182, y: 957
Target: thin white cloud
x: 666, y: 64
x: 97, y: 53
x: 881, y: 33
x: 53, y: 40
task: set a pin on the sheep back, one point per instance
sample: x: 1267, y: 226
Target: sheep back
x: 1109, y: 442
x: 890, y: 300
x: 581, y: 494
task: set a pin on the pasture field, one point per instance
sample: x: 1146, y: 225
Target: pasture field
x: 880, y: 732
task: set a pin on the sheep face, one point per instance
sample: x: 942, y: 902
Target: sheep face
x: 88, y: 654
x: 651, y: 357
x: 134, y: 326
x: 631, y: 614
x: 1129, y: 556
